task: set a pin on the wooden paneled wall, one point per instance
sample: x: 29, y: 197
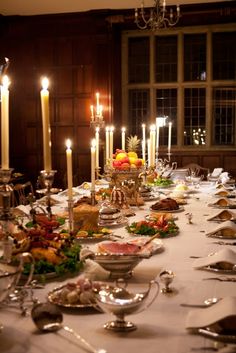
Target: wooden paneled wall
x: 80, y: 54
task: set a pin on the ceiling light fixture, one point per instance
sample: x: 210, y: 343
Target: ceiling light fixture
x: 158, y: 16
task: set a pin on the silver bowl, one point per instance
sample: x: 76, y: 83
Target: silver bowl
x: 121, y: 302
x: 119, y: 265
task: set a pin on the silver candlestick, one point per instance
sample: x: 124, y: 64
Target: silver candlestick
x: 48, y: 179
x: 6, y: 215
x: 70, y: 213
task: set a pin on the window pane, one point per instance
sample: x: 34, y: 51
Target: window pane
x: 166, y: 59
x: 224, y: 115
x: 194, y: 116
x: 224, y: 56
x: 195, y: 57
x: 138, y: 67
x: 166, y: 105
x: 139, y: 110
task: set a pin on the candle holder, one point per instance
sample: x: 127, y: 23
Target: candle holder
x: 97, y: 121
x: 6, y: 215
x: 164, y: 167
x: 93, y: 197
x: 48, y: 179
x: 70, y: 214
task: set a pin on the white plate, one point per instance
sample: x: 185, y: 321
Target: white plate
x: 113, y: 223
x: 155, y: 246
x: 212, y: 268
x: 180, y: 209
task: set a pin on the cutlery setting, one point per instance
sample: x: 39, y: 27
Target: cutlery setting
x: 208, y: 302
x: 221, y: 279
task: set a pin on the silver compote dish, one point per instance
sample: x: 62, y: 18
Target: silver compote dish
x: 120, y: 302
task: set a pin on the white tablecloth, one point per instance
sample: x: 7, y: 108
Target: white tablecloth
x: 160, y: 328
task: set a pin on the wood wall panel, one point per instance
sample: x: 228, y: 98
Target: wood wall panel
x: 64, y: 111
x: 81, y: 54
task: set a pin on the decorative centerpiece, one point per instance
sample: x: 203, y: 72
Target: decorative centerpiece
x: 126, y: 171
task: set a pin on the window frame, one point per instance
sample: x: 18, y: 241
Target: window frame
x: 180, y: 85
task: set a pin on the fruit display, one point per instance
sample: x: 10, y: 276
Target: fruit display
x: 128, y: 160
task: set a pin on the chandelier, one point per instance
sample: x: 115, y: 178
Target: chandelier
x: 158, y: 16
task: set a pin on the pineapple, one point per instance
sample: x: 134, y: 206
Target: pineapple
x: 133, y: 143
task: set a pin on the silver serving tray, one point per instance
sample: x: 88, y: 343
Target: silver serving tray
x: 53, y: 298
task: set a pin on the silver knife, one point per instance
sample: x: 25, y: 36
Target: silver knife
x: 221, y: 279
x: 224, y: 243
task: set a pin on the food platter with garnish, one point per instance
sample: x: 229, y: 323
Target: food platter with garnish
x: 165, y: 227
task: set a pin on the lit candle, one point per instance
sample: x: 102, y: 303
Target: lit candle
x: 158, y: 138
x: 93, y: 161
x: 107, y: 144
x: 169, y: 137
x: 149, y: 152
x: 111, y: 145
x: 69, y: 169
x: 46, y: 125
x: 123, y: 138
x: 92, y: 112
x: 5, y: 122
x: 152, y: 144
x: 97, y: 146
x: 144, y: 141
x: 98, y: 106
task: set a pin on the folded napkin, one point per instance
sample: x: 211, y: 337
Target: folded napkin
x: 24, y: 209
x: 222, y: 310
x: 224, y: 255
x: 224, y: 177
x: 222, y: 192
x: 223, y: 215
x: 222, y: 202
x: 227, y: 229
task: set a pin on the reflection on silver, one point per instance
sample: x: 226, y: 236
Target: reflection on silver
x: 120, y: 302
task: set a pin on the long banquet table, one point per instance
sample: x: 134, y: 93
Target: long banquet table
x: 161, y: 327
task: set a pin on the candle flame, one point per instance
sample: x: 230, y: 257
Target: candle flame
x: 97, y: 129
x: 107, y: 128
x: 123, y: 129
x: 112, y: 128
x: 143, y: 125
x: 68, y: 143
x: 45, y: 83
x: 153, y: 127
x: 5, y: 81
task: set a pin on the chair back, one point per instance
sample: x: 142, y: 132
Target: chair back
x: 21, y: 193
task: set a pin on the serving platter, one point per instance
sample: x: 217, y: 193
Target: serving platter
x: 54, y: 297
x: 223, y: 336
x: 180, y: 209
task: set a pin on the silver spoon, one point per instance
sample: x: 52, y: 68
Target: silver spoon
x: 48, y: 318
x: 206, y: 303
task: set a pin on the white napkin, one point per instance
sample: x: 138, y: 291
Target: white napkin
x: 204, y: 317
x: 25, y: 209
x: 224, y: 255
x: 222, y: 192
x: 217, y: 215
x: 224, y: 177
x: 223, y: 225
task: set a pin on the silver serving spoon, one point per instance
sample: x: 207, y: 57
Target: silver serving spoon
x: 48, y: 318
x: 206, y: 303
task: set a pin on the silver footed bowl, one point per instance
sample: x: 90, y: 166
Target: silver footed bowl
x: 119, y: 265
x: 10, y: 275
x: 121, y: 302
